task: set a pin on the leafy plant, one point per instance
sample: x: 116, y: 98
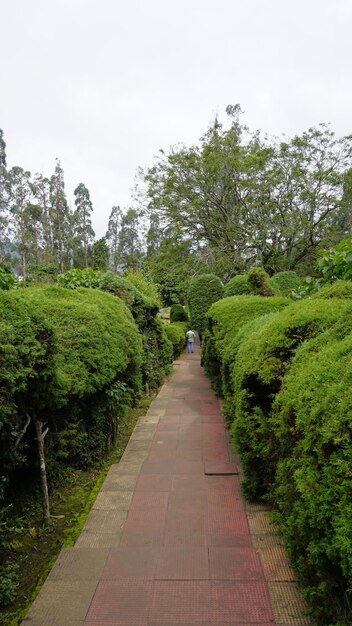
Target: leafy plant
x: 203, y: 291
x: 178, y: 314
x: 336, y: 262
x: 237, y: 286
x: 259, y: 282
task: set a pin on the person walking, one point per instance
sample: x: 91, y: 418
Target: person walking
x: 190, y: 340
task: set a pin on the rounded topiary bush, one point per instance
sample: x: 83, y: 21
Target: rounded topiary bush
x: 312, y: 490
x: 224, y: 320
x: 259, y: 282
x: 237, y: 286
x: 340, y: 289
x: 262, y: 361
x: 178, y: 314
x: 204, y: 290
x: 176, y: 333
x: 97, y: 364
x: 286, y: 282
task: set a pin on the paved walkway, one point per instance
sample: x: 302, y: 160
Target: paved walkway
x: 169, y: 541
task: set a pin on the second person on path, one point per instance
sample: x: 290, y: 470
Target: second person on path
x: 190, y: 340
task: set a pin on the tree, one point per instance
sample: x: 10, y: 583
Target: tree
x: 82, y: 225
x: 61, y: 219
x: 112, y: 235
x: 3, y: 205
x: 23, y: 220
x: 100, y: 254
x: 250, y: 201
x: 204, y: 290
x: 41, y: 191
x: 129, y: 243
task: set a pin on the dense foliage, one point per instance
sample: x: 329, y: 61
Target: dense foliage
x: 259, y: 282
x: 336, y: 263
x: 246, y: 200
x: 95, y: 355
x: 286, y: 282
x: 286, y: 377
x: 142, y: 298
x: 178, y: 313
x: 176, y: 333
x: 224, y: 319
x: 203, y: 291
x: 237, y: 286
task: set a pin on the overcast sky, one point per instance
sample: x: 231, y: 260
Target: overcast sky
x: 103, y: 85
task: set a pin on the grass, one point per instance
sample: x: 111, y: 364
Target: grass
x: 35, y: 547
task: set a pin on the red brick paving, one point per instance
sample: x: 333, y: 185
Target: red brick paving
x: 185, y: 556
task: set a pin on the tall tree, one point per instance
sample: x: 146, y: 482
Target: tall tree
x: 61, y: 219
x: 112, y: 235
x: 82, y: 225
x: 100, y: 254
x: 41, y: 191
x: 3, y: 203
x: 129, y: 242
x: 23, y: 227
x: 252, y: 201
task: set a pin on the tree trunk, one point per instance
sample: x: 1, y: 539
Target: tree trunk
x: 41, y: 453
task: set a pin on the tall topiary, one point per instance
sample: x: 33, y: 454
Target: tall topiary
x: 237, y: 286
x: 204, y: 290
x: 178, y: 314
x: 259, y: 282
x: 286, y: 282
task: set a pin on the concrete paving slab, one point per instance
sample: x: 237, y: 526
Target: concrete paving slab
x: 67, y: 599
x: 79, y: 564
x: 113, y: 500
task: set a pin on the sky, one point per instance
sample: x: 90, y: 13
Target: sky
x: 104, y: 85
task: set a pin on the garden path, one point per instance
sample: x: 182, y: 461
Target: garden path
x: 169, y: 540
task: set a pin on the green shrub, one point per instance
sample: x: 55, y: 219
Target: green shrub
x: 204, y: 290
x: 237, y: 286
x: 259, y: 282
x: 225, y: 318
x: 8, y: 280
x: 79, y: 278
x: 340, y: 289
x: 97, y: 362
x: 147, y: 287
x: 336, y: 263
x: 262, y: 360
x: 286, y: 282
x: 178, y: 314
x: 313, y: 489
x: 26, y: 365
x: 176, y: 333
x: 42, y: 273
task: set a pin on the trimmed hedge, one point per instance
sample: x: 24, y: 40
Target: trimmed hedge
x: 178, y: 314
x: 224, y: 319
x: 340, y: 289
x: 26, y: 364
x: 263, y: 359
x: 176, y: 333
x: 204, y: 290
x: 71, y: 359
x: 259, y: 282
x: 286, y: 282
x: 312, y: 490
x: 142, y: 299
x: 237, y: 286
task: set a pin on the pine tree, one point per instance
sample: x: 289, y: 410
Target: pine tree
x: 129, y: 246
x: 82, y: 225
x: 112, y: 235
x: 61, y: 219
x: 3, y: 203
